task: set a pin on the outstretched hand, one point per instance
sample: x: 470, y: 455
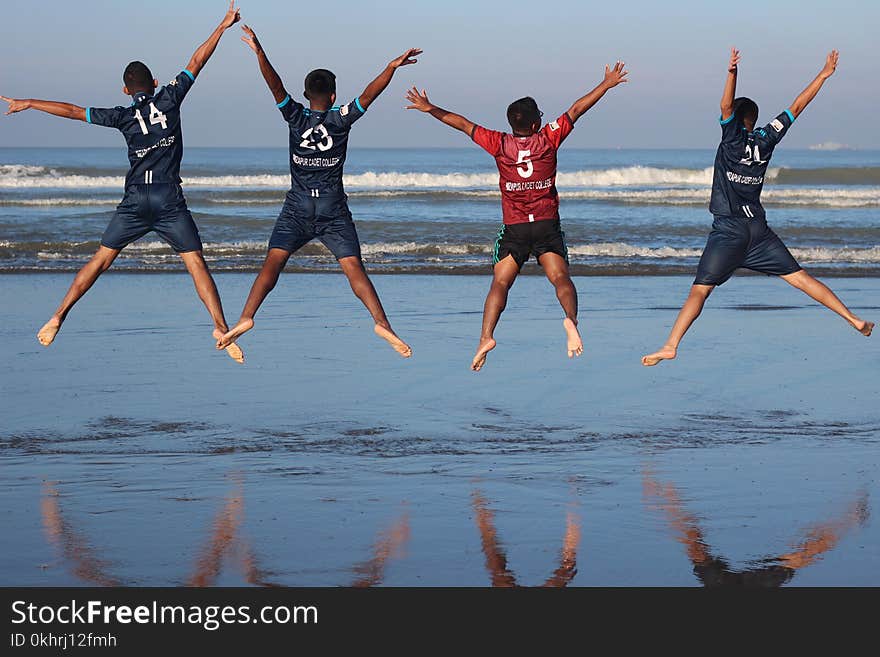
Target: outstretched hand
x: 418, y: 101
x: 232, y: 16
x: 734, y: 60
x: 830, y: 64
x: 406, y: 58
x: 15, y: 105
x: 250, y: 38
x: 615, y: 76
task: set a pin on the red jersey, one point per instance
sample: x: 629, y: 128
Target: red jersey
x: 527, y: 168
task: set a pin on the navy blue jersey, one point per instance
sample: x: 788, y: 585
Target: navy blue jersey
x: 318, y: 145
x: 151, y: 127
x: 741, y: 165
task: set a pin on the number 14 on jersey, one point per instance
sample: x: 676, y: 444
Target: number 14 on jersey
x: 155, y: 117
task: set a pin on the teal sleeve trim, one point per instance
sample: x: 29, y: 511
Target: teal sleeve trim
x: 727, y: 120
x: 189, y: 75
x: 284, y: 102
x: 88, y: 114
x: 790, y: 115
x: 357, y: 101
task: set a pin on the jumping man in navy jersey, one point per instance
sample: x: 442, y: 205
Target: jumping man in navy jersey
x: 316, y: 205
x: 740, y: 235
x: 153, y: 197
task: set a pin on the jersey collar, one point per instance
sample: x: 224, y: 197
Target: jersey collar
x: 139, y: 97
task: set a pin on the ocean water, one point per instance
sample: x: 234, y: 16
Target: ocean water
x: 625, y: 212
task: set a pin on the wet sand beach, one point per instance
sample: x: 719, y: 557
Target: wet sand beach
x: 131, y: 452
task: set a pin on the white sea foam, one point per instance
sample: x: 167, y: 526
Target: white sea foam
x: 22, y: 170
x: 811, y: 196
x: 606, y: 250
x: 634, y: 184
x: 845, y: 254
x: 624, y: 250
x: 21, y: 176
x: 851, y: 197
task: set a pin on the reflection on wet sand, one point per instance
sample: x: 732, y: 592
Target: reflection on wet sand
x: 389, y: 545
x: 496, y: 558
x: 713, y: 570
x: 225, y: 541
x: 222, y: 541
x: 74, y: 547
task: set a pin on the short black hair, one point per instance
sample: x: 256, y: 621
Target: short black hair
x: 137, y: 77
x: 320, y: 84
x: 745, y: 109
x: 523, y: 113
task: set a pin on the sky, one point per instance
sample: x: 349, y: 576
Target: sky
x: 478, y: 57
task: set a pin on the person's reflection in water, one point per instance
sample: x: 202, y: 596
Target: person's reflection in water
x: 713, y: 570
x: 225, y: 539
x: 496, y: 558
x: 224, y: 535
x: 389, y: 544
x: 75, y: 549
x: 225, y: 542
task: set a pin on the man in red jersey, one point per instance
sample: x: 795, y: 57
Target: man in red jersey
x: 526, y: 163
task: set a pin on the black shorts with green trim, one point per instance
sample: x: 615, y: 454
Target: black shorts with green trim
x: 533, y: 238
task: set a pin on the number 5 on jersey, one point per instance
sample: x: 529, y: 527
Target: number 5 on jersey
x: 528, y: 169
x: 155, y: 117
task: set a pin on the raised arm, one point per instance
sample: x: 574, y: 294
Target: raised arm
x: 419, y: 101
x: 800, y: 103
x: 613, y: 77
x: 730, y: 85
x: 276, y: 86
x: 378, y: 85
x: 64, y: 110
x: 203, y: 53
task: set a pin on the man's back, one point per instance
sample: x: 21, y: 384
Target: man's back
x: 152, y: 129
x: 527, y: 169
x: 741, y: 166
x: 318, y: 145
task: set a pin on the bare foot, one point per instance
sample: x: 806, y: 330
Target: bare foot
x: 50, y: 329
x: 483, y: 350
x: 234, y: 351
x: 243, y: 326
x: 390, y: 336
x: 866, y: 329
x: 575, y: 344
x: 666, y: 353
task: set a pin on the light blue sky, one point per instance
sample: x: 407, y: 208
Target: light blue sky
x: 478, y: 57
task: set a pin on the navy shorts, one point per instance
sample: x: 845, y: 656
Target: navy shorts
x: 304, y: 218
x: 532, y: 238
x: 747, y: 243
x: 159, y: 207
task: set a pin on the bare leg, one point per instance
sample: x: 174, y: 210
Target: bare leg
x: 389, y: 545
x: 563, y: 575
x: 686, y: 316
x: 556, y: 270
x: 83, y: 280
x: 503, y: 279
x: 493, y: 550
x: 823, y: 294
x: 207, y: 291
x: 363, y: 288
x: 264, y: 283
